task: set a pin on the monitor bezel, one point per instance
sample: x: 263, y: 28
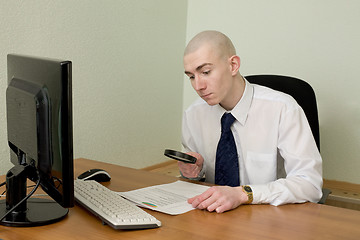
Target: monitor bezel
x: 23, y: 67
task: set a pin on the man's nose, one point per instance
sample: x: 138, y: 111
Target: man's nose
x: 199, y: 83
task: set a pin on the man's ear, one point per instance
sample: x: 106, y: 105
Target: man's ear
x: 235, y: 64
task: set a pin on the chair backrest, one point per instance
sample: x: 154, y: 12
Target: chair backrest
x: 300, y: 90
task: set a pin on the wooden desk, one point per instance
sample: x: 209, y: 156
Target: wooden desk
x: 293, y: 221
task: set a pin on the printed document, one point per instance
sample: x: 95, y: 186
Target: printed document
x: 168, y: 198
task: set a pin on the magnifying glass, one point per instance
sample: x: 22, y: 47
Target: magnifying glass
x: 179, y: 156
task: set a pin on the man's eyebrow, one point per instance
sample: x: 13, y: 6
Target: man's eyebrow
x: 199, y: 67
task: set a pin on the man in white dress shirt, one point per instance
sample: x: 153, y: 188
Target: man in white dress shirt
x: 278, y: 158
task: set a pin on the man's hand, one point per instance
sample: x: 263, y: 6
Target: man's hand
x: 219, y: 199
x: 191, y: 170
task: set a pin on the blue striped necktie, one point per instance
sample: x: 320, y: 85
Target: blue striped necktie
x: 227, y: 163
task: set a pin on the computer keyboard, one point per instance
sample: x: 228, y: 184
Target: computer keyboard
x: 111, y: 208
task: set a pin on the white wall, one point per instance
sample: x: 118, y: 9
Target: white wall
x: 318, y: 41
x: 127, y: 71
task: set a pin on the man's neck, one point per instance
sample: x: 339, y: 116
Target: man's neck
x: 236, y: 93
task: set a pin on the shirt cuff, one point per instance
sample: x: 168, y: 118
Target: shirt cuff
x: 198, y: 178
x: 263, y: 195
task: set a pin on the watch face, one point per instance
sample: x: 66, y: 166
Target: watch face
x: 247, y: 188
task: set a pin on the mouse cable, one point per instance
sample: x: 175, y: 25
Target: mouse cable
x: 24, y: 199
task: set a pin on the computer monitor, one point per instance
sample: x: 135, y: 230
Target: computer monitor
x: 39, y: 127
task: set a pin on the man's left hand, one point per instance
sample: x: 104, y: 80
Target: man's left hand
x: 219, y: 199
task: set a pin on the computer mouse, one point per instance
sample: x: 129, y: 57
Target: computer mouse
x: 98, y: 175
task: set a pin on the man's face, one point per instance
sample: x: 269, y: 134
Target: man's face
x: 210, y: 74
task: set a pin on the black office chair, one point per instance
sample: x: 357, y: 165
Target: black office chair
x: 304, y: 94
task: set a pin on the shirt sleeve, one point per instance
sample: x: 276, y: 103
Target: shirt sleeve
x: 302, y: 162
x: 189, y: 145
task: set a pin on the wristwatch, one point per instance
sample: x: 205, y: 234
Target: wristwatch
x: 247, y: 189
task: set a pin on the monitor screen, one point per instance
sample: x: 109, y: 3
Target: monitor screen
x: 39, y: 126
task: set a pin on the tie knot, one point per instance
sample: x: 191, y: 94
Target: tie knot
x: 226, y: 121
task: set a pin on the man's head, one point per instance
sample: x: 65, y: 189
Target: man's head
x: 217, y: 40
x: 211, y: 63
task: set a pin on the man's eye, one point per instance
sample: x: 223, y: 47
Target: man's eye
x: 191, y: 77
x: 206, y: 72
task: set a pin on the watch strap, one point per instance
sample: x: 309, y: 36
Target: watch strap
x: 247, y: 189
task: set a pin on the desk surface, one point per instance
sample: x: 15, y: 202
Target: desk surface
x: 292, y: 221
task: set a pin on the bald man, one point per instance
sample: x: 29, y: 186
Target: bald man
x: 277, y: 158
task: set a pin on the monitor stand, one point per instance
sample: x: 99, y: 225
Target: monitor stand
x: 33, y: 211
x: 39, y: 212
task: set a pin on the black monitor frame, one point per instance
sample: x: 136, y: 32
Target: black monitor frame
x: 39, y: 122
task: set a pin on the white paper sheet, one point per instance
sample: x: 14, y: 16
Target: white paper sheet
x: 168, y: 198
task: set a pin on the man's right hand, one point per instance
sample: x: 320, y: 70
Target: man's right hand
x: 191, y: 170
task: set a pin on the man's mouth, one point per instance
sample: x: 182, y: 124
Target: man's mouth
x: 205, y: 95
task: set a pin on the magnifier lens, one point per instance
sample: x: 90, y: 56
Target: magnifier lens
x: 179, y: 156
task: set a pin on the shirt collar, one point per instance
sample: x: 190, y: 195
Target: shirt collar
x: 241, y: 110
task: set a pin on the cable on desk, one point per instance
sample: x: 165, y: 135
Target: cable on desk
x: 2, y: 194
x: 34, y: 195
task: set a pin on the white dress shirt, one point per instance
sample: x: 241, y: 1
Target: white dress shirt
x: 278, y: 156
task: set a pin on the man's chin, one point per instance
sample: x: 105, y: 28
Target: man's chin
x: 211, y: 103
